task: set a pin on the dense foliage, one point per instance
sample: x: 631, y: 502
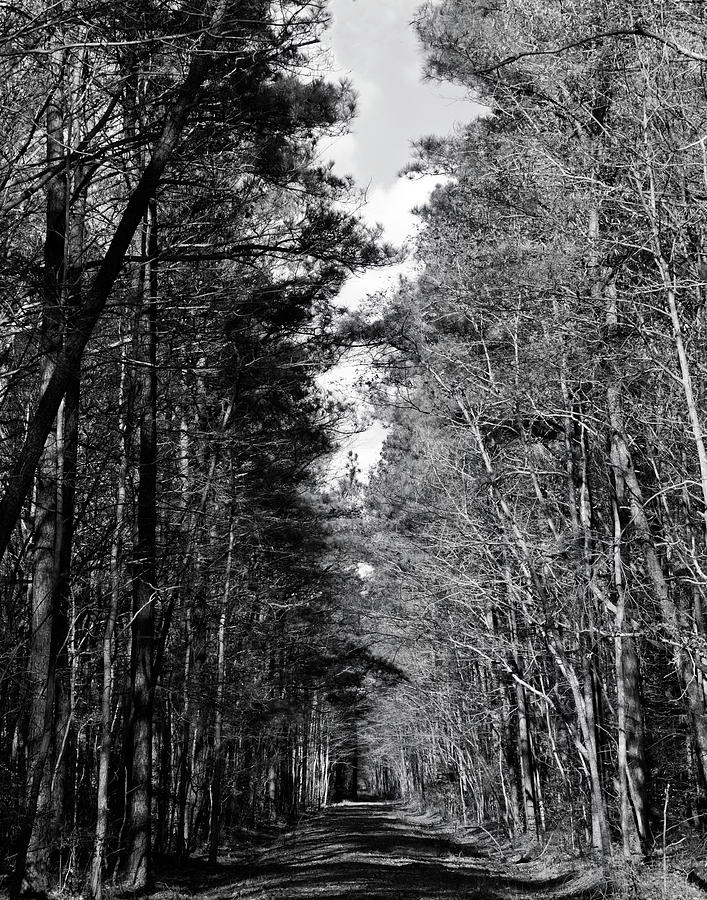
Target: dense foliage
x: 540, y: 514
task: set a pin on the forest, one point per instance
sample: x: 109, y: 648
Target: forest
x: 203, y: 633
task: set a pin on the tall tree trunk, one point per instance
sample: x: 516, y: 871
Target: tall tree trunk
x: 217, y: 775
x: 67, y: 458
x: 587, y: 639
x: 138, y: 870
x: 631, y: 761
x: 67, y: 450
x: 184, y: 768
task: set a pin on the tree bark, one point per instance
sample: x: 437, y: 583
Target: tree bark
x: 631, y: 760
x: 184, y: 769
x: 217, y: 775
x: 138, y: 870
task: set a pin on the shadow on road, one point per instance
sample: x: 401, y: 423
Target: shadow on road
x: 363, y: 851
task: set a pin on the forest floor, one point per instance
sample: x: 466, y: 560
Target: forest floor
x: 376, y: 851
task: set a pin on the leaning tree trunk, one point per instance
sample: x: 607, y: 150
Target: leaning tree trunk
x: 32, y: 859
x: 672, y: 623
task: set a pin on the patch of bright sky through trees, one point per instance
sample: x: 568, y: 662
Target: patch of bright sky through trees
x: 374, y: 45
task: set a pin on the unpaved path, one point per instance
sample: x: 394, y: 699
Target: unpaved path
x: 371, y: 851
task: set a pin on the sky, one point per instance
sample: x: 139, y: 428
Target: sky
x: 374, y: 45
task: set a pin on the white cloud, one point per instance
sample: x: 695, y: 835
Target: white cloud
x: 343, y: 150
x: 372, y: 281
x: 391, y: 207
x: 373, y: 43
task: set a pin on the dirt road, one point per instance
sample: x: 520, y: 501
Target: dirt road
x: 374, y: 852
